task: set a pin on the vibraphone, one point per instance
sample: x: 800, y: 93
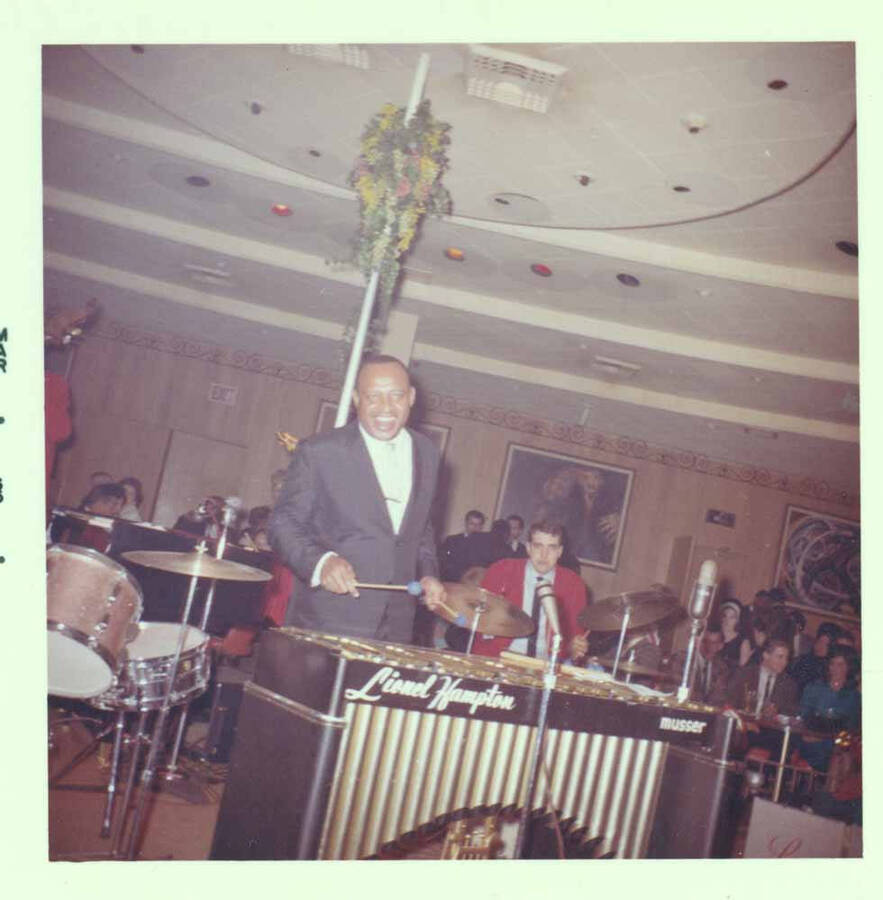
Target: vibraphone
x: 344, y: 746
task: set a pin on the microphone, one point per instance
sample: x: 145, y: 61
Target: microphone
x: 546, y: 595
x: 703, y: 590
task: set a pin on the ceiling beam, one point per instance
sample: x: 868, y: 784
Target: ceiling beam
x: 256, y: 312
x: 452, y: 298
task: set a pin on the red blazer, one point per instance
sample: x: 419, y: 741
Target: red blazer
x: 506, y: 577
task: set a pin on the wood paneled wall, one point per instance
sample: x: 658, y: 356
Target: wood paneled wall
x: 129, y: 399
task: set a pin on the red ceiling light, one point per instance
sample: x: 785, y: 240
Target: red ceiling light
x: 541, y: 269
x: 455, y: 253
x: 281, y: 209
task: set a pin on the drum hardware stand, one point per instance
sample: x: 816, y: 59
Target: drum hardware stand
x: 119, y: 828
x: 550, y: 676
x: 172, y: 773
x: 480, y: 608
x: 150, y: 765
x: 626, y: 618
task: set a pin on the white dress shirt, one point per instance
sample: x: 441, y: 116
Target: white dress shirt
x: 393, y: 463
x: 765, y: 685
x: 531, y: 577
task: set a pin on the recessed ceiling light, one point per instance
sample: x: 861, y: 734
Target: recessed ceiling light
x: 198, y: 181
x: 628, y: 280
x: 583, y: 179
x: 777, y: 84
x: 281, y: 209
x: 136, y: 48
x: 694, y: 123
x: 540, y: 269
x: 847, y: 247
x: 681, y: 189
x: 455, y: 253
x: 704, y: 292
x: 255, y: 107
x: 314, y: 152
x: 501, y: 200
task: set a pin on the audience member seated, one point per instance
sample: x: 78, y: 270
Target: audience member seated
x: 841, y: 797
x: 731, y: 626
x: 103, y: 500
x: 761, y: 632
x: 830, y: 706
x: 205, y: 520
x: 454, y: 553
x: 764, y: 689
x: 516, y: 548
x: 106, y: 499
x: 486, y: 547
x: 712, y: 671
x: 258, y: 521
x: 134, y: 498
x: 813, y: 666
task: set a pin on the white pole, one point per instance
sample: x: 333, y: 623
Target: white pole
x: 343, y: 405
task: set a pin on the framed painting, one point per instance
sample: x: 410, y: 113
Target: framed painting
x: 819, y: 564
x: 438, y: 434
x: 589, y: 499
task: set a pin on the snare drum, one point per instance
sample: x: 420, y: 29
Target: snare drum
x: 141, y: 683
x: 91, y: 604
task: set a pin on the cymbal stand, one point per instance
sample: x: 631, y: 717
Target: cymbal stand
x: 550, y: 676
x: 481, y: 607
x: 119, y: 828
x: 626, y: 618
x: 155, y: 741
x: 172, y: 768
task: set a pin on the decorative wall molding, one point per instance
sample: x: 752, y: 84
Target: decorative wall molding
x: 513, y: 420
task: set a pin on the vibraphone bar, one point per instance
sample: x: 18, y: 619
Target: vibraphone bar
x: 344, y: 746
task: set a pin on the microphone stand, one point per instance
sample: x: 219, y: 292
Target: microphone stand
x: 550, y: 676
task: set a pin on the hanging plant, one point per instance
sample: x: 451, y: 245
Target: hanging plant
x: 397, y: 176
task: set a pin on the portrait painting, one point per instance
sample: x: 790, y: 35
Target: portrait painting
x: 589, y: 499
x: 819, y: 564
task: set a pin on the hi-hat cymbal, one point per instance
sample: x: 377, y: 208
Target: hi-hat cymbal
x: 200, y: 564
x: 498, y: 617
x: 647, y: 608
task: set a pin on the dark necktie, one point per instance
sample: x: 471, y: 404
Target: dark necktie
x: 768, y: 690
x: 535, y: 615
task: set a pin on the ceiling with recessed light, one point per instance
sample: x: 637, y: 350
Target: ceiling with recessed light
x: 644, y: 237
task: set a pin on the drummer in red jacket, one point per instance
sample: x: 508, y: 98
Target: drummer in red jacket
x: 517, y: 580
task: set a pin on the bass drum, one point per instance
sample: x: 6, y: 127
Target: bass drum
x: 141, y: 682
x: 92, y: 604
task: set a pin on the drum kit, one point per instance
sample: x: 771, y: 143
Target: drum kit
x: 100, y: 652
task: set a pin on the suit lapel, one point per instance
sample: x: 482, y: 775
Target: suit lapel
x: 416, y: 475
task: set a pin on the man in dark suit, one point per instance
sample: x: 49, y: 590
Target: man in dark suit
x: 711, y: 671
x: 355, y: 507
x: 517, y: 580
x: 764, y: 689
x: 457, y: 551
x: 517, y: 550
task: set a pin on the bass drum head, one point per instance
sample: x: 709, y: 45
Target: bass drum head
x: 75, y: 670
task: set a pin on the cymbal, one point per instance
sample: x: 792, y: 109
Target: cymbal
x: 499, y: 617
x: 200, y: 564
x: 632, y: 668
x: 647, y: 608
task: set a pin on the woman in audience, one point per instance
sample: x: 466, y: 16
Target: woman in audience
x: 134, y: 499
x: 830, y: 706
x: 731, y: 625
x: 751, y: 649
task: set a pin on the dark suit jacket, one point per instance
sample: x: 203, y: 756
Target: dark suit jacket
x: 506, y: 577
x: 455, y: 555
x: 785, y: 695
x: 711, y: 690
x: 331, y: 500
